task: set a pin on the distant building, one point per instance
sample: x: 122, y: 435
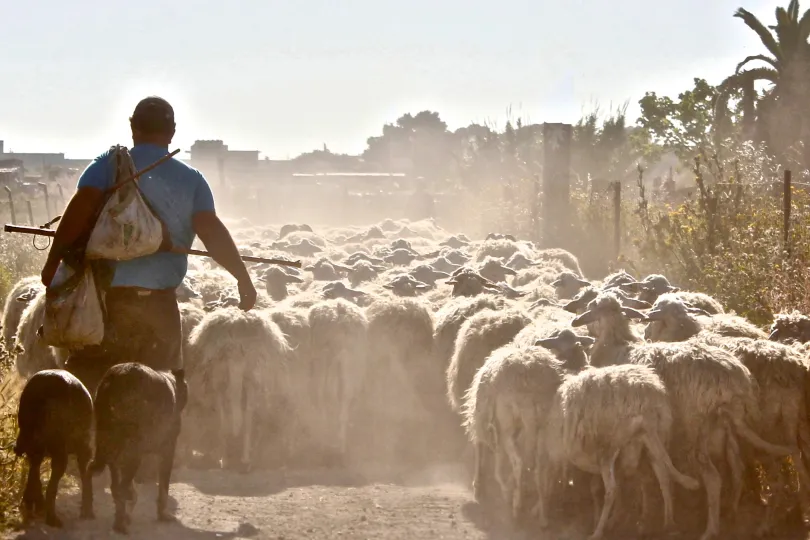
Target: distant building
x: 214, y: 159
x: 33, y: 163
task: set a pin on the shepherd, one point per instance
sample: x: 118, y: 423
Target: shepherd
x: 142, y: 316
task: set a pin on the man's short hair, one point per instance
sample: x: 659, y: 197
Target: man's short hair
x: 153, y: 115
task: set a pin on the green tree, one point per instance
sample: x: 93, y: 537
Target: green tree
x: 422, y: 139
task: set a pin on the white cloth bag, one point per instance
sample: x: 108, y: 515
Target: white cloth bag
x: 74, y: 316
x: 126, y: 228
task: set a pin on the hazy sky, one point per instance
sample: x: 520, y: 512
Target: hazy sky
x: 287, y: 76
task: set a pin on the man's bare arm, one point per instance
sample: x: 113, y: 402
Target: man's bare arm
x: 77, y: 220
x: 221, y: 247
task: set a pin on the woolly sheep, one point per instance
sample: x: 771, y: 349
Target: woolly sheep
x: 599, y: 416
x: 788, y: 328
x: 500, y: 249
x: 481, y: 334
x: 569, y: 348
x: 241, y: 357
x: 363, y: 271
x: 568, y: 285
x: 451, y: 317
x: 325, y: 270
x: 427, y: 274
x: 21, y: 295
x: 468, y: 282
x: 275, y: 282
x: 494, y: 270
x: 503, y: 410
x: 671, y: 319
x: 403, y: 394
x: 340, y: 362
x: 655, y: 285
x: 31, y: 353
x: 567, y: 259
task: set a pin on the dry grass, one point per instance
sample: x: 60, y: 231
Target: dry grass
x: 12, y: 469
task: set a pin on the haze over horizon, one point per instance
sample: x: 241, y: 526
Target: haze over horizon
x: 286, y: 78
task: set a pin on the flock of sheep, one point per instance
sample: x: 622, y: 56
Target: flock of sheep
x: 404, y: 344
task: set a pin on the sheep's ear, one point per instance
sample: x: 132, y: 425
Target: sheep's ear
x: 654, y: 315
x: 634, y: 303
x: 451, y: 282
x: 388, y: 286
x: 422, y: 286
x: 774, y: 335
x: 309, y: 268
x: 585, y: 341
x: 674, y: 289
x: 507, y: 270
x: 548, y: 343
x: 571, y: 307
x: 586, y: 318
x: 557, y: 283
x: 294, y: 279
x: 631, y: 313
x: 179, y: 374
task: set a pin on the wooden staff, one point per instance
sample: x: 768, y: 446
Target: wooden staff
x: 51, y: 233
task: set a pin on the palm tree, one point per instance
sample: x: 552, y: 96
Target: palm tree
x: 786, y: 69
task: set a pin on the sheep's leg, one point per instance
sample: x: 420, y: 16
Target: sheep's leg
x: 773, y: 470
x: 164, y: 477
x: 84, y: 457
x: 596, y: 496
x: 503, y: 480
x: 478, y: 473
x: 58, y: 467
x: 247, y: 430
x: 646, y: 480
x: 33, y: 501
x: 608, y: 469
x: 712, y: 484
x: 665, y: 485
x: 543, y: 481
x: 737, y: 470
x: 517, y: 477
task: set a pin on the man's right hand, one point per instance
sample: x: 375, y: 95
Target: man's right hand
x: 247, y: 295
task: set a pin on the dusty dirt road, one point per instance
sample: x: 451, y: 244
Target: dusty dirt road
x: 309, y: 505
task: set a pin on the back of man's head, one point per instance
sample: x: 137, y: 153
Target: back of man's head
x: 152, y: 121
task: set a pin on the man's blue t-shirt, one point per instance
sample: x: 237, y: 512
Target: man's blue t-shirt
x: 176, y: 192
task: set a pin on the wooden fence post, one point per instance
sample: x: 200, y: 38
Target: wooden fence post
x: 44, y: 187
x: 61, y: 195
x: 786, y: 211
x: 617, y: 218
x: 30, y: 214
x: 11, y: 205
x: 556, y: 183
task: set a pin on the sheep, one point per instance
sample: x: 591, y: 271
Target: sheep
x: 325, y: 270
x: 186, y: 293
x: 291, y: 228
x: 501, y: 249
x: 655, y: 285
x: 617, y: 279
x: 336, y: 289
x: 519, y: 261
x: 481, y: 334
x: 455, y: 242
x: 55, y: 418
x: 339, y: 350
x: 451, y: 317
x: 406, y: 285
x: 241, y: 362
x: 31, y: 353
x: 567, y: 259
x: 615, y: 338
x: 363, y: 271
x: 138, y: 413
x: 568, y: 285
x: 21, y: 295
x: 494, y: 270
x: 354, y: 258
x: 304, y: 248
x: 499, y: 236
x: 503, y: 411
x: 671, y: 319
x: 600, y: 414
x: 403, y: 394
x: 791, y: 327
x: 275, y: 282
x: 401, y: 257
x: 569, y: 348
x: 427, y: 274
x: 468, y: 282
x: 442, y: 264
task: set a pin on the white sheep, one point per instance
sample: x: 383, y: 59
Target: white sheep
x: 602, y: 415
x: 30, y: 351
x: 241, y: 362
x: 671, y: 319
x: 340, y: 362
x: 20, y: 296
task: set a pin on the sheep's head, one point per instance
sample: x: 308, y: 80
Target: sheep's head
x: 669, y: 311
x: 569, y: 347
x: 608, y: 311
x: 28, y: 295
x: 276, y: 280
x: 401, y: 243
x: 455, y: 256
x: 356, y: 257
x: 568, y: 285
x: 651, y: 287
x: 326, y: 270
x: 455, y: 242
x: 337, y: 289
x: 406, y: 285
x: 790, y: 327
x: 287, y: 229
x: 305, y: 248
x: 518, y: 261
x: 468, y: 282
x: 499, y: 236
x: 580, y: 302
x: 427, y: 274
x: 494, y: 270
x: 509, y: 292
x: 617, y: 279
x: 401, y: 257
x: 441, y: 264
x: 374, y: 232
x: 363, y: 271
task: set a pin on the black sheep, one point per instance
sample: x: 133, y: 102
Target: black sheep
x: 137, y: 414
x: 55, y: 417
